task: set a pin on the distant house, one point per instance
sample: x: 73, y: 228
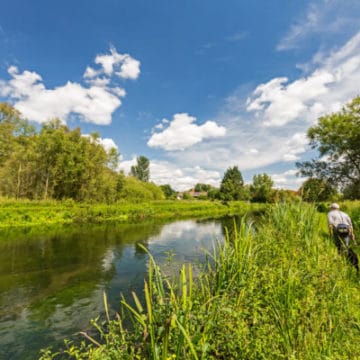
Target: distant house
x: 197, y: 194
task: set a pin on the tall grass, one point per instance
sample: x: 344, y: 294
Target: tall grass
x: 279, y: 291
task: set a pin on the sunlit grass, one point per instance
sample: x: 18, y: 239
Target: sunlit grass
x: 35, y: 213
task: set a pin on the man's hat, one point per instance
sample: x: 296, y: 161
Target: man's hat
x: 334, y: 206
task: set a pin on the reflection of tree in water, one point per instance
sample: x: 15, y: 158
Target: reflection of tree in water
x: 52, y: 280
x: 230, y: 225
x: 65, y: 264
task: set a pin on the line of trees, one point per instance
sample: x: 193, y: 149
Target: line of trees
x: 233, y: 188
x: 58, y: 163
x: 55, y: 162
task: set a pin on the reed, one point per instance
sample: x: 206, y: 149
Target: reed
x: 277, y: 291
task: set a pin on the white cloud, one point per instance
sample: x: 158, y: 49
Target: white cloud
x: 184, y: 178
x: 182, y: 133
x: 106, y: 143
x: 295, y: 145
x: 287, y: 180
x: 287, y: 108
x: 322, y: 17
x: 123, y: 65
x: 180, y: 178
x: 125, y: 165
x: 94, y: 103
x: 279, y: 102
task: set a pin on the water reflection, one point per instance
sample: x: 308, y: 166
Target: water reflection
x: 51, y: 284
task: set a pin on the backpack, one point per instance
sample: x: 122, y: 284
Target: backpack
x: 343, y: 229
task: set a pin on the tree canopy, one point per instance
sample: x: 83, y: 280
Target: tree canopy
x: 232, y: 184
x: 59, y: 163
x: 313, y: 190
x: 261, y: 189
x: 336, y: 137
x: 142, y: 169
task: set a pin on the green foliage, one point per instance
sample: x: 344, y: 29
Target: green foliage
x: 337, y: 138
x: 280, y: 292
x: 214, y: 194
x: 287, y: 196
x: 315, y: 190
x: 142, y: 169
x: 261, y: 188
x: 138, y: 191
x: 231, y: 187
x: 56, y: 162
x: 34, y: 213
x: 168, y: 191
x: 187, y: 196
x: 352, y: 191
x: 202, y: 187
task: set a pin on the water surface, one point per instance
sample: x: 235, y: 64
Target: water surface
x: 52, y: 283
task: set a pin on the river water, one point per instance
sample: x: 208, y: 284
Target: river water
x: 52, y: 282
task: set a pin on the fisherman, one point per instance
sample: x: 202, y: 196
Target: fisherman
x: 340, y: 226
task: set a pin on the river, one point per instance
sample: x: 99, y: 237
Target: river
x: 52, y: 281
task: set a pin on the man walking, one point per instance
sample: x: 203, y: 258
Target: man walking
x: 340, y: 226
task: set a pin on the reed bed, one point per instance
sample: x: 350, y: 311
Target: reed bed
x: 279, y: 291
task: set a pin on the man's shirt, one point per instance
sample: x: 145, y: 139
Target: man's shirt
x: 336, y: 217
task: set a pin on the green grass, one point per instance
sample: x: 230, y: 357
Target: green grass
x: 279, y: 291
x: 34, y: 213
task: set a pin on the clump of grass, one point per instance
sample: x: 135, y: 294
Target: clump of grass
x: 278, y: 292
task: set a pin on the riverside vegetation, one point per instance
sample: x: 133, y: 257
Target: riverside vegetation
x: 280, y: 291
x: 42, y: 213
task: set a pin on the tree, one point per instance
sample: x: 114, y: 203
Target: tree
x: 232, y: 185
x: 199, y: 187
x: 142, y: 169
x: 15, y: 153
x: 313, y: 190
x: 337, y: 139
x: 352, y: 191
x: 261, y: 189
x: 135, y: 190
x: 168, y: 191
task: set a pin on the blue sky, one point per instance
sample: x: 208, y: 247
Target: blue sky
x: 196, y: 86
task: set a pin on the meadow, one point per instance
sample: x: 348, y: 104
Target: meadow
x: 14, y: 213
x: 276, y: 289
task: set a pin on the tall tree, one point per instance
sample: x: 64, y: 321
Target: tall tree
x: 168, y: 191
x: 15, y: 152
x: 12, y: 125
x: 142, y: 169
x: 261, y: 188
x: 337, y: 139
x: 232, y: 184
x: 313, y: 190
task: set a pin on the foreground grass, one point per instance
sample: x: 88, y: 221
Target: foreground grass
x: 280, y: 292
x: 32, y: 213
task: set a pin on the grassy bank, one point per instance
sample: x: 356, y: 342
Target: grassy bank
x: 280, y: 292
x: 32, y: 213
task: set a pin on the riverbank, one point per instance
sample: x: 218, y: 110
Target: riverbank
x: 280, y: 292
x: 35, y: 213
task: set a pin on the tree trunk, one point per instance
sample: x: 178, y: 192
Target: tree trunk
x: 46, y: 187
x: 18, y: 182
